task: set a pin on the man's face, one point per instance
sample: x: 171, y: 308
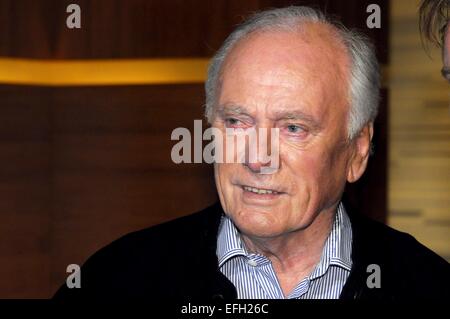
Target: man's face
x: 298, y: 84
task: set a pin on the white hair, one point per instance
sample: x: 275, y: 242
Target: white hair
x: 364, y: 74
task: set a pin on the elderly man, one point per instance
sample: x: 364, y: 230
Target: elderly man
x: 283, y: 234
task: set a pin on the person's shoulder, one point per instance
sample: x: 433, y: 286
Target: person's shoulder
x: 188, y: 224
x: 140, y: 258
x: 407, y: 266
x: 167, y: 236
x: 397, y: 243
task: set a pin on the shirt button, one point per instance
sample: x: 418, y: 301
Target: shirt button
x: 252, y: 263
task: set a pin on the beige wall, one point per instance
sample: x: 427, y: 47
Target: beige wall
x: 419, y: 160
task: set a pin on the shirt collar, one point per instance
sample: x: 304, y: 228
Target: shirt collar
x: 229, y: 242
x: 336, y: 251
x: 338, y: 246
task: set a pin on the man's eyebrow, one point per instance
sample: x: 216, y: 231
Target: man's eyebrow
x: 297, y: 115
x: 230, y: 108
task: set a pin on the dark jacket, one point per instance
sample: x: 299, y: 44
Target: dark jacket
x: 177, y: 260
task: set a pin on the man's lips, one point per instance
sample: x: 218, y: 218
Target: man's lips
x: 261, y: 190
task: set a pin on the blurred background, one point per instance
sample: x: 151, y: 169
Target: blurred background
x: 86, y: 117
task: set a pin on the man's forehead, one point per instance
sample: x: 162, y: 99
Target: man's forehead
x: 288, y: 54
x: 290, y: 42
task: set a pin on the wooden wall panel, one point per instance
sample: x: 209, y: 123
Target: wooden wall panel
x: 113, y: 172
x: 25, y: 191
x: 149, y: 28
x: 83, y: 166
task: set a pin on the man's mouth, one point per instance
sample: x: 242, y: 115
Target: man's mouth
x: 260, y: 191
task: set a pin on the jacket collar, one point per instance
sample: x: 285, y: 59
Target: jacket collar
x: 219, y: 287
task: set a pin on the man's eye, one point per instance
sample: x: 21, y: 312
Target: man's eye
x: 232, y: 121
x: 294, y: 128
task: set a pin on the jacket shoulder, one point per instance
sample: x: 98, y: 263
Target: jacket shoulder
x: 133, y: 263
x: 408, y: 268
x: 170, y: 232
x: 399, y: 244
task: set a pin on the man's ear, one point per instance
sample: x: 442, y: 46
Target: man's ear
x: 360, y: 154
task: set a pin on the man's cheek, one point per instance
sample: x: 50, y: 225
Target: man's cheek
x: 224, y: 175
x: 313, y: 172
x: 300, y: 161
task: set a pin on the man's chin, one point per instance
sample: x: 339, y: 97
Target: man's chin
x: 255, y: 223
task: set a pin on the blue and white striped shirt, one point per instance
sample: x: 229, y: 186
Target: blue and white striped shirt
x: 253, y: 274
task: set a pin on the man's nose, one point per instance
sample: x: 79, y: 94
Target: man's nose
x: 256, y: 156
x: 254, y: 167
